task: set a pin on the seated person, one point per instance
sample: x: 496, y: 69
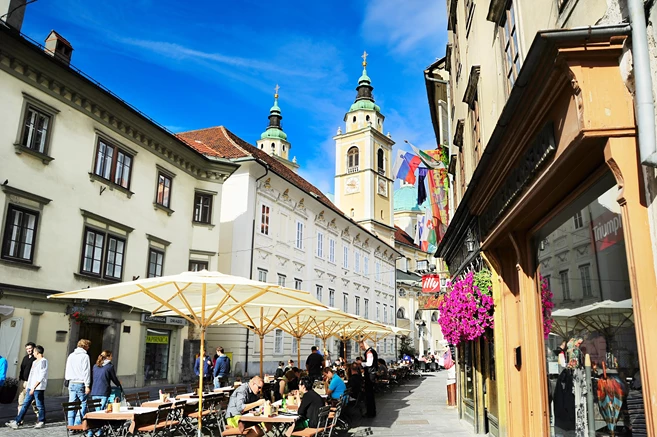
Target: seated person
x: 310, y: 404
x: 289, y: 366
x: 243, y: 399
x: 336, y: 386
x: 289, y: 382
x: 355, y: 382
x: 382, y: 369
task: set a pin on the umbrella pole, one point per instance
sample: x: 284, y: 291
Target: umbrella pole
x: 589, y: 396
x: 262, y: 375
x: 299, y: 352
x: 200, y: 382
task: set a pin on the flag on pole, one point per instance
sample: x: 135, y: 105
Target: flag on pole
x: 419, y: 229
x: 430, y: 158
x: 421, y: 188
x: 405, y: 165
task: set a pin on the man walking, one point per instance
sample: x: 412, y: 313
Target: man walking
x: 221, y: 369
x: 36, y: 386
x: 78, y: 375
x: 370, y: 364
x: 26, y: 366
x: 314, y: 364
x: 207, y: 368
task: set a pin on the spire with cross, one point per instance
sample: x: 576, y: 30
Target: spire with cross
x: 364, y: 56
x: 276, y: 88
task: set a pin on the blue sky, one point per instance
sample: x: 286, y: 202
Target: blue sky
x: 196, y: 64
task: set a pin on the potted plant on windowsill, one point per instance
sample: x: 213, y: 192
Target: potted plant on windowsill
x: 8, y: 391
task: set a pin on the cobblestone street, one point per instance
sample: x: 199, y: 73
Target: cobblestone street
x: 417, y: 408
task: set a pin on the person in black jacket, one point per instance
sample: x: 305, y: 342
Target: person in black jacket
x: 26, y: 366
x: 310, y: 405
x: 103, y: 374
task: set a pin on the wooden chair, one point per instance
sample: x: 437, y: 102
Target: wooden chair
x: 170, y: 390
x: 161, y: 425
x: 323, y: 426
x: 182, y: 389
x: 133, y: 399
x: 143, y: 396
x: 75, y: 407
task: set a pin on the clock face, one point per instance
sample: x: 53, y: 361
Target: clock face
x: 382, y: 186
x: 352, y: 185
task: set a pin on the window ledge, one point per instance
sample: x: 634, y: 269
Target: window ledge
x: 19, y: 148
x: 203, y: 225
x: 99, y: 280
x: 169, y: 211
x: 299, y: 250
x: 112, y: 186
x: 19, y: 264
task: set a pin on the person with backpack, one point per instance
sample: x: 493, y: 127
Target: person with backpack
x: 221, y: 369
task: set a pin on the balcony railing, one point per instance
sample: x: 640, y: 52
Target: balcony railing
x: 352, y: 169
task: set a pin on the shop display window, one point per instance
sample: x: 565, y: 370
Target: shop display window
x: 156, y: 360
x: 592, y: 319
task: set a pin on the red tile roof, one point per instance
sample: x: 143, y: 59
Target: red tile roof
x: 402, y: 237
x: 61, y: 38
x: 220, y: 142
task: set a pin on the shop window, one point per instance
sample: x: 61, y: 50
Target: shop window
x: 156, y: 358
x: 605, y: 331
x: 468, y: 371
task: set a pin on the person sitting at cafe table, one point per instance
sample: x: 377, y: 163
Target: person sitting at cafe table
x: 289, y: 382
x: 355, y: 382
x: 311, y: 402
x: 243, y: 399
x: 336, y: 386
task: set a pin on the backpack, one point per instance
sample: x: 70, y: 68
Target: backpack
x: 449, y: 362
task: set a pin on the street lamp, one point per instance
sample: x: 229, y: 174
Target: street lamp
x: 470, y: 244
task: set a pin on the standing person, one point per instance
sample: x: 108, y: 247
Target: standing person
x: 3, y: 370
x: 36, y: 386
x: 370, y: 365
x: 78, y: 374
x: 221, y: 369
x: 207, y: 368
x: 314, y: 364
x: 26, y: 366
x: 104, y: 374
x: 244, y: 398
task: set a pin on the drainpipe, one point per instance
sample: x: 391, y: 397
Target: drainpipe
x: 253, y: 226
x: 452, y: 206
x: 643, y: 100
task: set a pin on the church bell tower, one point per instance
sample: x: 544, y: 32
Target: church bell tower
x: 273, y: 140
x: 363, y: 179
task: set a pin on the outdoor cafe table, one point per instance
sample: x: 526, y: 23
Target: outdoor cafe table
x: 156, y: 403
x: 278, y: 421
x: 136, y: 417
x: 224, y: 390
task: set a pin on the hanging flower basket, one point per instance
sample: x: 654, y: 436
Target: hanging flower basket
x: 467, y: 311
x: 78, y: 317
x: 546, y: 305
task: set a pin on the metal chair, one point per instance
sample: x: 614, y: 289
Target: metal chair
x: 133, y: 399
x: 143, y: 396
x: 75, y: 407
x: 161, y: 425
x: 323, y: 426
x: 182, y: 389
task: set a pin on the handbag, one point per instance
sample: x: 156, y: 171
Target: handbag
x: 66, y: 382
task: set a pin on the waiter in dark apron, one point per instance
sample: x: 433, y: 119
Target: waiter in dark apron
x: 370, y: 363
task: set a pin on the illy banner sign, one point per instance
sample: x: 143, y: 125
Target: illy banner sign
x: 431, y: 284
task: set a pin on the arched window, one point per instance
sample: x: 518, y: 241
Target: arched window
x: 381, y: 162
x: 367, y: 118
x: 418, y: 316
x: 273, y: 148
x: 434, y: 316
x: 354, y: 119
x: 283, y: 147
x: 352, y: 160
x: 352, y: 212
x: 401, y: 313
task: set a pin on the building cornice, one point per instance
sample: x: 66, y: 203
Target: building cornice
x: 28, y: 63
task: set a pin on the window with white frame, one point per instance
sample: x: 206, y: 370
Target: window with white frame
x: 345, y: 302
x: 331, y: 298
x: 377, y: 270
x: 585, y: 275
x: 278, y: 341
x: 345, y: 257
x: 320, y: 245
x: 295, y: 345
x: 385, y: 313
x: 299, y: 236
x: 264, y: 219
x: 366, y: 265
x: 378, y: 311
x: 358, y: 305
x: 578, y: 220
x: 366, y: 305
x: 281, y: 280
x: 331, y: 250
x: 318, y: 292
x: 356, y: 260
x: 262, y: 275
x: 318, y: 343
x: 298, y: 284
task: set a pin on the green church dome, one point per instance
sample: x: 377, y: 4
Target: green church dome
x: 364, y: 104
x: 405, y: 199
x: 274, y: 133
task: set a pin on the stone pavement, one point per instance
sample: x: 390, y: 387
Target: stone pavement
x: 417, y: 408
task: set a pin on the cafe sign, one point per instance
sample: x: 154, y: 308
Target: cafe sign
x: 157, y: 339
x: 431, y: 284
x: 164, y: 320
x: 429, y: 301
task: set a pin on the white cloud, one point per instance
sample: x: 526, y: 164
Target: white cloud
x: 403, y: 26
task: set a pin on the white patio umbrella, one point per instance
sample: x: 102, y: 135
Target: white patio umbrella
x: 202, y: 298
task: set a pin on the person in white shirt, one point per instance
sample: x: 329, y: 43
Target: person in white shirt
x: 78, y: 375
x: 36, y: 387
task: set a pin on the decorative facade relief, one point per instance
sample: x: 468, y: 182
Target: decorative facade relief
x: 332, y: 227
x: 345, y: 233
x: 320, y: 220
x: 282, y: 260
x: 298, y: 266
x: 320, y: 273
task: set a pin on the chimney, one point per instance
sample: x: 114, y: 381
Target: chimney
x: 57, y: 46
x: 12, y: 11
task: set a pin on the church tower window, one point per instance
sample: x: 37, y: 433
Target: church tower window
x: 352, y: 160
x: 273, y: 148
x: 380, y: 162
x: 367, y: 118
x: 354, y: 119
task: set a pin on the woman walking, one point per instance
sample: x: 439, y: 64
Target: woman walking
x: 103, y: 374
